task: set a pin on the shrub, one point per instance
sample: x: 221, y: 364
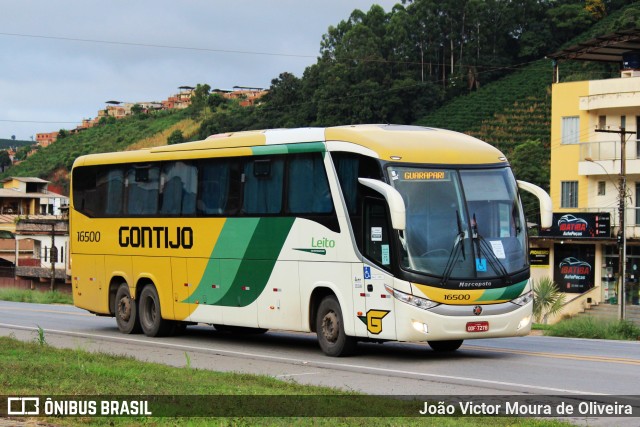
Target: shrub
x: 547, y: 299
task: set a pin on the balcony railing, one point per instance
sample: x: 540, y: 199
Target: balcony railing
x: 608, y: 150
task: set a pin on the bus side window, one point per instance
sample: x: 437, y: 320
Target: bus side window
x: 84, y: 191
x: 307, y: 184
x: 349, y: 168
x: 180, y: 181
x: 263, y: 186
x: 111, y: 191
x: 376, y: 232
x: 143, y: 185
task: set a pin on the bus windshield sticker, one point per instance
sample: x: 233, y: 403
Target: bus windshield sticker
x: 376, y: 234
x: 394, y: 175
x: 426, y: 175
x: 498, y: 249
x: 385, y: 255
x: 481, y: 264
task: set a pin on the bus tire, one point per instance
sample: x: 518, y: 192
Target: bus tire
x: 445, y: 346
x: 333, y: 340
x: 150, y: 313
x: 126, y: 311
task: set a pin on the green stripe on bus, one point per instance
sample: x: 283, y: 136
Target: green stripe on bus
x: 503, y: 294
x: 224, y: 263
x: 303, y: 147
x: 258, y: 263
x: 242, y: 261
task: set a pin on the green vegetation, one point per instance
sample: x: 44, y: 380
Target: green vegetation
x: 588, y: 327
x: 547, y: 299
x: 6, y: 143
x: 116, y: 136
x: 34, y: 296
x: 473, y: 67
x: 28, y: 367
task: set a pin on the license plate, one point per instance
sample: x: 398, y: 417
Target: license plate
x: 477, y: 326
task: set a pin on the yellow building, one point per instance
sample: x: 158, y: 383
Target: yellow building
x: 588, y: 119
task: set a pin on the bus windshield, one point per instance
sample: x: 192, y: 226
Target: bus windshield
x: 461, y: 224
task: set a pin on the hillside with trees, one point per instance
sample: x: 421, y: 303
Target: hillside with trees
x: 474, y: 66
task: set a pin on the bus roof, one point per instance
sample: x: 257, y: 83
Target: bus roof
x: 410, y: 144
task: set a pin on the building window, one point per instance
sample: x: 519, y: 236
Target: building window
x: 623, y: 122
x: 637, y: 138
x: 570, y: 130
x: 569, y: 194
x: 637, y: 203
x: 602, y: 122
x: 602, y: 188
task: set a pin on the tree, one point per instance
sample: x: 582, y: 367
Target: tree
x: 23, y: 152
x: 136, y: 109
x: 63, y: 133
x: 5, y: 159
x: 530, y: 162
x: 199, y: 98
x: 176, y: 137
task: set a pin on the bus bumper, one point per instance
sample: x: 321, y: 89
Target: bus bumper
x: 414, y: 324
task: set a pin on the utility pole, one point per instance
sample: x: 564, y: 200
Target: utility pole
x: 53, y: 255
x: 622, y: 205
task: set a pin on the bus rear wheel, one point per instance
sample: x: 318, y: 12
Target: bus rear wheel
x: 151, y: 321
x: 330, y: 329
x: 445, y: 346
x: 126, y: 311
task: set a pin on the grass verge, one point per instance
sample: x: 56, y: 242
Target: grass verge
x: 30, y: 367
x: 39, y: 297
x: 588, y: 327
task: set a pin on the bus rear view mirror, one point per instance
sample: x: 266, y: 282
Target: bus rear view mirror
x: 546, y: 208
x: 393, y: 198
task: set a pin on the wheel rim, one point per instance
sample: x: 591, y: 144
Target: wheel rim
x: 124, y: 308
x: 330, y: 327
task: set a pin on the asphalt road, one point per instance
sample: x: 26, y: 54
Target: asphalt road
x: 529, y: 365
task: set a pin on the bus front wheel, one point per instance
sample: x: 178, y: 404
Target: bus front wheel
x: 330, y: 329
x: 126, y: 311
x: 153, y: 325
x: 445, y: 346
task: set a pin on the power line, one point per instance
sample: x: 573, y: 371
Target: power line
x: 248, y: 52
x: 157, y: 46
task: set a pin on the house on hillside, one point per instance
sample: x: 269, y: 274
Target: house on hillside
x: 29, y: 196
x: 46, y: 139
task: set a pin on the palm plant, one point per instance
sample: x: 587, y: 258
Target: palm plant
x: 547, y: 299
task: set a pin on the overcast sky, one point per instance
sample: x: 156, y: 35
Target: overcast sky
x: 47, y: 74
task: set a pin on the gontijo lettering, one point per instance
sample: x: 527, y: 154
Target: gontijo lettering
x: 155, y: 237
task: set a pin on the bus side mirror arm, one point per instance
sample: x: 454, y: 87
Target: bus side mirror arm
x: 394, y: 201
x: 546, y: 208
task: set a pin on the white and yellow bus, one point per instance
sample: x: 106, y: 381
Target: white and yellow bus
x: 368, y: 232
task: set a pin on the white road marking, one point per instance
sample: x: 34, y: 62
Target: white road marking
x: 321, y: 364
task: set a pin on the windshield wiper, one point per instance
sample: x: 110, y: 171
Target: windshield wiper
x: 483, y: 247
x: 458, y: 248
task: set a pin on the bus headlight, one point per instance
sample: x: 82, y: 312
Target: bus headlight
x: 524, y: 299
x: 413, y: 300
